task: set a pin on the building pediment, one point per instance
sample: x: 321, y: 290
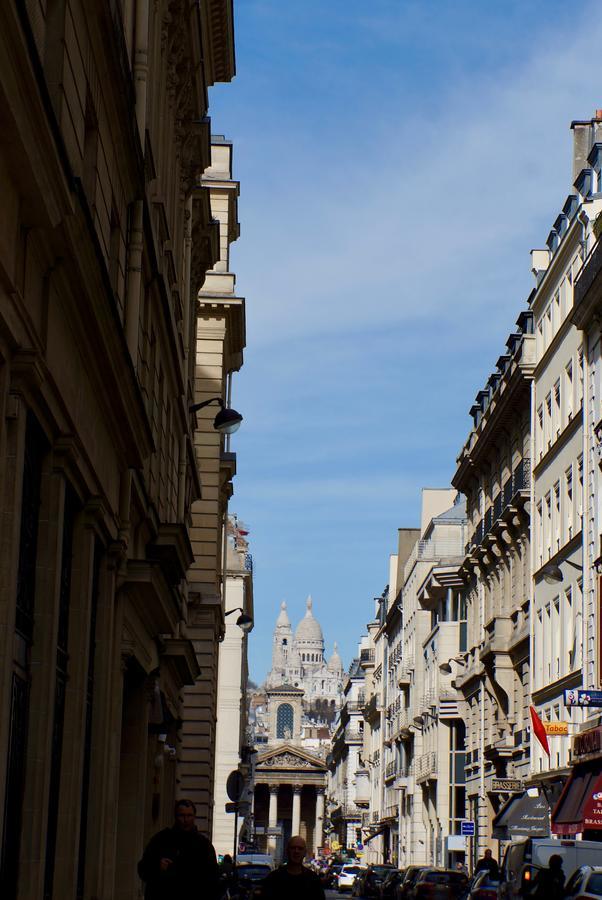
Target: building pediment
x: 286, y: 757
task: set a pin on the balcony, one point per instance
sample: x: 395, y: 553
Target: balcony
x: 353, y: 735
x: 391, y: 811
x: 367, y: 656
x: 362, y: 788
x: 514, y: 492
x: 371, y: 708
x: 390, y: 770
x: 426, y: 767
x: 404, y: 676
x: 405, y: 776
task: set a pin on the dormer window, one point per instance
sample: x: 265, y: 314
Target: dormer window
x: 595, y: 161
x: 584, y: 183
x: 553, y: 240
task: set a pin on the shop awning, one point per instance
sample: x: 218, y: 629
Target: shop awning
x: 374, y: 834
x: 522, y: 816
x: 580, y: 804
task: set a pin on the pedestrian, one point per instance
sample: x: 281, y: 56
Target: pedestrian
x: 488, y: 862
x: 549, y: 883
x: 460, y: 867
x: 179, y: 863
x: 293, y: 881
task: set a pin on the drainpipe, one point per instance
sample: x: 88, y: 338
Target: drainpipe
x: 481, y: 804
x: 134, y: 279
x: 134, y: 273
x: 141, y: 64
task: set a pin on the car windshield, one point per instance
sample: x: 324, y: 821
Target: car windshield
x: 351, y: 870
x: 594, y: 885
x: 255, y: 873
x: 381, y: 871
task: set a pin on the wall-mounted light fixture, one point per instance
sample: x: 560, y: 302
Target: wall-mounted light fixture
x: 227, y: 421
x: 552, y: 573
x: 244, y: 621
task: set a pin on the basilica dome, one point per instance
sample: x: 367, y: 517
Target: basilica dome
x: 308, y: 629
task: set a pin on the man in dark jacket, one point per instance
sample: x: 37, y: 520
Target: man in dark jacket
x: 293, y: 881
x: 179, y: 863
x: 489, y: 863
x: 549, y: 883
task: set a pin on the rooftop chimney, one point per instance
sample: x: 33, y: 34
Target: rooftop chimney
x: 584, y: 135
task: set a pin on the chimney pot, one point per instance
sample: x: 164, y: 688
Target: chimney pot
x: 598, y: 115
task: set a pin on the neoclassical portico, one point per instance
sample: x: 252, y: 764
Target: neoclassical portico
x: 289, y: 798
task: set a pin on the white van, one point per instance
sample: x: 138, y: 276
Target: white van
x: 523, y: 859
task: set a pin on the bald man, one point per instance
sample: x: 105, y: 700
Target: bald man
x: 293, y: 881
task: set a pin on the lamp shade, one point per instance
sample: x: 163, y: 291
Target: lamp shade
x: 245, y: 622
x: 552, y: 574
x: 227, y: 421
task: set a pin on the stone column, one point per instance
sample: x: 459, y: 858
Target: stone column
x: 273, y: 816
x: 272, y: 841
x: 296, y: 823
x: 319, y: 825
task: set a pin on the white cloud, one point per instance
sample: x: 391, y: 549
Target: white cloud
x: 423, y: 222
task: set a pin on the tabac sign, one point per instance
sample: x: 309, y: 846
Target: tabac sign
x: 588, y: 744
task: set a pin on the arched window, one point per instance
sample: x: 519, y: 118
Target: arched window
x: 284, y: 722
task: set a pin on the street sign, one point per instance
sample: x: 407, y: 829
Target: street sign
x: 583, y: 698
x: 467, y: 828
x: 235, y: 785
x: 507, y: 786
x: 556, y: 729
x: 242, y: 807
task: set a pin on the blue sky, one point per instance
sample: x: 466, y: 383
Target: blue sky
x: 398, y: 160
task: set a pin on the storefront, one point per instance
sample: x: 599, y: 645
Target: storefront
x: 523, y: 815
x: 579, y: 809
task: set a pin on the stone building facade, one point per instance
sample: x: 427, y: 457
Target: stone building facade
x: 232, y: 750
x: 105, y: 239
x: 494, y: 675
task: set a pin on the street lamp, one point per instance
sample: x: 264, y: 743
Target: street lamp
x: 552, y: 573
x: 446, y: 668
x: 227, y: 421
x: 244, y: 621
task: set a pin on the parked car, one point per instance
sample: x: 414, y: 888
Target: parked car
x: 347, y: 876
x: 405, y: 887
x: 368, y: 882
x: 585, y: 883
x: 439, y: 884
x: 523, y: 859
x: 331, y: 876
x: 387, y: 888
x: 250, y: 878
x: 483, y: 886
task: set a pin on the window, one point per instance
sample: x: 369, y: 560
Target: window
x: 568, y: 389
x: 580, y: 383
x: 557, y: 416
x: 580, y: 490
x: 555, y: 638
x: 548, y: 522
x: 540, y: 530
x: 556, y: 318
x: 556, y: 524
x: 284, y: 721
x: 549, y: 419
x: 540, y: 438
x: 568, y: 494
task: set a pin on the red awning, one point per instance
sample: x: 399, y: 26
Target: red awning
x: 580, y: 804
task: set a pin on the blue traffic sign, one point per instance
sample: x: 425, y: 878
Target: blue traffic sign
x: 467, y: 828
